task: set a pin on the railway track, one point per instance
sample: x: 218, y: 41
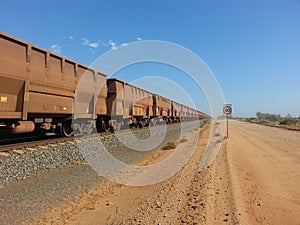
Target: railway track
x: 22, y: 160
x: 58, y: 140
x: 32, y: 144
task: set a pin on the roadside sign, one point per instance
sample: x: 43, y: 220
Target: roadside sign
x: 227, y: 109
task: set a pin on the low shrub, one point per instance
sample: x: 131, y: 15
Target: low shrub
x: 169, y: 145
x: 289, y: 122
x: 183, y: 140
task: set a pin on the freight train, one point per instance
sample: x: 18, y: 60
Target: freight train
x: 38, y: 89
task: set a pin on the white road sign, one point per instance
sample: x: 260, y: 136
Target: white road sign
x: 227, y: 109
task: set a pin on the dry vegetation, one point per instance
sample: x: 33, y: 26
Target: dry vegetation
x: 170, y: 145
x: 275, y: 120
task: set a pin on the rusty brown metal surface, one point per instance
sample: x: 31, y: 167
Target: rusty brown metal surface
x: 127, y: 100
x: 34, y: 80
x: 23, y: 127
x: 161, y: 106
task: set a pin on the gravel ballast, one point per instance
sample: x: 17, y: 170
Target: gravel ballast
x: 18, y: 166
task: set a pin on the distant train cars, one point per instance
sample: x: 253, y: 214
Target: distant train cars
x: 38, y: 89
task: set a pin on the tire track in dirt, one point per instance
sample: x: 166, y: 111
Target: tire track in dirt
x: 211, y: 198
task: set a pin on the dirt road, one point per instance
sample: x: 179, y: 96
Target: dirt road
x: 253, y: 180
x: 265, y: 165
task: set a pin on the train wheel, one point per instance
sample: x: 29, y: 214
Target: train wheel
x: 143, y: 123
x: 140, y: 125
x: 117, y: 126
x: 153, y: 122
x: 106, y: 127
x: 89, y: 129
x: 67, y: 129
x: 163, y: 122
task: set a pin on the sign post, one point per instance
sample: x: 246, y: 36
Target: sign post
x: 227, y: 110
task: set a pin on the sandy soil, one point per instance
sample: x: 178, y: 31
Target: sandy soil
x: 253, y: 180
x: 265, y: 165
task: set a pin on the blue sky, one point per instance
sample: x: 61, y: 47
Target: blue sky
x: 252, y: 47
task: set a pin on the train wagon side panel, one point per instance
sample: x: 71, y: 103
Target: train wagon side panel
x: 115, y: 97
x: 11, y: 97
x: 165, y: 105
x: 137, y: 106
x: 52, y: 74
x: 85, y: 94
x: 49, y: 104
x: 140, y: 102
x: 161, y: 106
x: 128, y: 100
x: 155, y: 107
x: 150, y: 105
x: 183, y: 112
x: 13, y: 73
x: 188, y: 113
x: 175, y: 111
x: 101, y: 107
x: 13, y: 57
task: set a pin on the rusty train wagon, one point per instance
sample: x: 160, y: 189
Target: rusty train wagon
x: 183, y: 113
x: 128, y: 105
x: 191, y: 114
x: 201, y: 115
x: 37, y: 90
x: 161, y: 110
x: 175, y: 112
x: 47, y: 93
